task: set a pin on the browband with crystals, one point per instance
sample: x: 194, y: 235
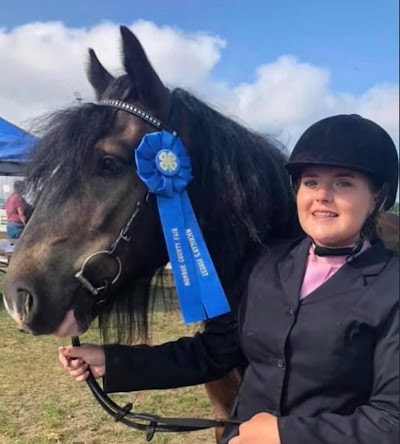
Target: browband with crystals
x: 139, y: 113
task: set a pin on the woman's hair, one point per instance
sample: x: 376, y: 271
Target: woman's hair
x: 19, y: 186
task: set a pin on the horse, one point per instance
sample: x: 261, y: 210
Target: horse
x: 89, y: 201
x: 85, y: 189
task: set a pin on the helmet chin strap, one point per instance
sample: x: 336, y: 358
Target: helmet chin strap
x: 328, y: 251
x: 350, y: 252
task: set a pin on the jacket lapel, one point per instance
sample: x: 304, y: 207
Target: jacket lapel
x: 356, y: 274
x: 291, y: 271
x: 353, y: 275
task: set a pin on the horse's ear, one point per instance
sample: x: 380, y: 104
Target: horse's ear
x: 144, y: 78
x: 97, y: 75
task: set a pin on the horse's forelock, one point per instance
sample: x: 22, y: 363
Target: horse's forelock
x: 67, y: 139
x: 66, y: 144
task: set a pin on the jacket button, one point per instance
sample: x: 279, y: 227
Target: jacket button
x: 281, y: 363
x: 289, y: 310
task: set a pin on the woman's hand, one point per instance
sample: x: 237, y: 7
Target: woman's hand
x: 261, y: 429
x: 78, y: 360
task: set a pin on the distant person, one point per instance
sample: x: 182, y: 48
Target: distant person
x: 17, y: 211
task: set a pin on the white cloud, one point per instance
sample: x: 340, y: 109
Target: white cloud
x: 42, y: 64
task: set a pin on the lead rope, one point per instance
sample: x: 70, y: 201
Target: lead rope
x: 151, y: 424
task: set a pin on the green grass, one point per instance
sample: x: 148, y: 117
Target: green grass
x: 41, y: 404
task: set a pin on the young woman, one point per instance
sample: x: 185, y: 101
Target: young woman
x: 318, y: 319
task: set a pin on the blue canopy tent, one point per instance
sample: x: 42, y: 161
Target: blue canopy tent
x: 15, y: 146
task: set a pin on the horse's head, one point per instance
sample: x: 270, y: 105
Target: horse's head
x: 86, y: 190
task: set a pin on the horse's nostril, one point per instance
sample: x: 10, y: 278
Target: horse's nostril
x: 26, y: 305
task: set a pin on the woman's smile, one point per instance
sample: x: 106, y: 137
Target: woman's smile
x: 323, y: 215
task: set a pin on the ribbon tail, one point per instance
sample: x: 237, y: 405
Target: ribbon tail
x: 212, y: 293
x: 183, y: 268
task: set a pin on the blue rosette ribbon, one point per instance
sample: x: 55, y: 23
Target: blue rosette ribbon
x: 164, y: 166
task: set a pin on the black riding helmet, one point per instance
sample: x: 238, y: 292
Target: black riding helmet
x: 349, y: 141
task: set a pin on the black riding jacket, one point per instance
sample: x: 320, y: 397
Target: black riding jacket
x: 327, y: 366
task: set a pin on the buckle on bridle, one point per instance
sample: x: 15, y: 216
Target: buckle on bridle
x: 87, y: 284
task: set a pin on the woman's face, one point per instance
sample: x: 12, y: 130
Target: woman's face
x: 333, y: 204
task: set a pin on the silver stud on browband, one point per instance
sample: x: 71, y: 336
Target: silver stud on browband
x: 134, y: 110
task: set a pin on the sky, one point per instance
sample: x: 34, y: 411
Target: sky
x: 277, y: 66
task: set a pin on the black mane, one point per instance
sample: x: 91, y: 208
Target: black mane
x: 241, y: 192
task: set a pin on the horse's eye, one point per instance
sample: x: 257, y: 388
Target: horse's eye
x: 111, y: 165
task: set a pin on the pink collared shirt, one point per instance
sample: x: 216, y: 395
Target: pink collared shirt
x: 321, y: 268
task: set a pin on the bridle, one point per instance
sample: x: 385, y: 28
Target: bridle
x: 139, y: 421
x: 100, y: 291
x: 145, y: 422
